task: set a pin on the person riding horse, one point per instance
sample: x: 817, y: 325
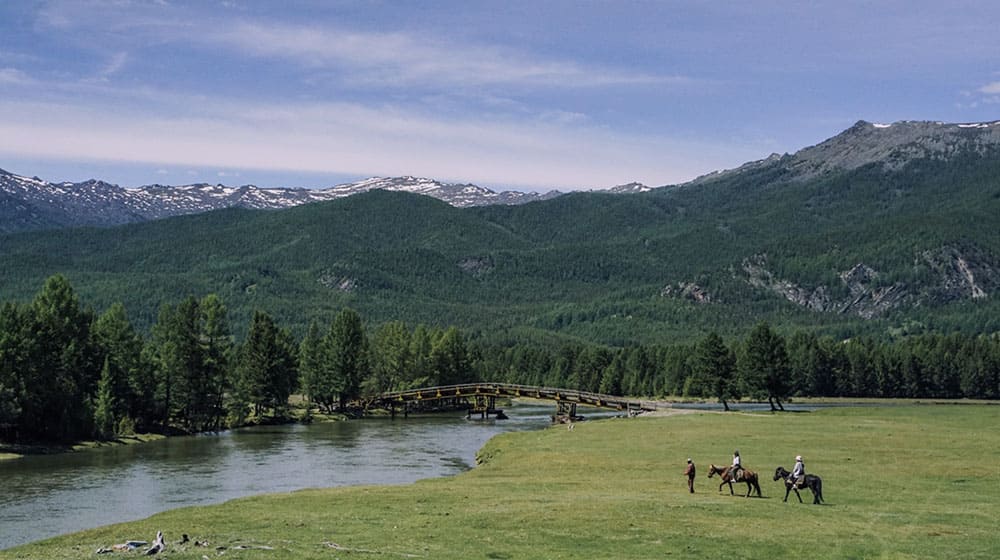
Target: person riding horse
x: 797, y: 478
x: 736, y: 471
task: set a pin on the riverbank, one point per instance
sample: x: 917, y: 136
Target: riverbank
x: 10, y: 451
x: 900, y: 482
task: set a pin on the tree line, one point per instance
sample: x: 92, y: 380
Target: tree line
x: 765, y: 365
x: 68, y: 373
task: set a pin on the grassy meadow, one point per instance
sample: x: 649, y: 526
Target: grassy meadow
x: 900, y: 482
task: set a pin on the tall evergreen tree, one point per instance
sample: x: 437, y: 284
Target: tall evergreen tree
x: 763, y: 365
x: 266, y: 371
x: 217, y: 348
x: 121, y: 347
x: 62, y: 377
x: 390, y: 358
x: 450, y: 359
x: 14, y: 344
x: 714, y: 366
x: 345, y: 357
x: 421, y: 371
x: 107, y: 408
x: 311, y: 362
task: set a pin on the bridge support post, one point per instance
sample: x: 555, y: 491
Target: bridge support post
x: 565, y: 412
x: 484, y: 405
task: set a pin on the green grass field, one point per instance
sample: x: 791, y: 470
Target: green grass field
x: 900, y: 482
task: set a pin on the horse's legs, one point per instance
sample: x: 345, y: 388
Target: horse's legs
x: 787, y: 490
x: 797, y: 495
x: 815, y: 494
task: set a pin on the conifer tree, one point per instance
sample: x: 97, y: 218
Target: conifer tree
x: 450, y: 359
x: 763, y: 365
x: 106, y: 407
x: 714, y: 366
x: 61, y: 376
x: 390, y: 358
x: 120, y: 346
x: 345, y: 355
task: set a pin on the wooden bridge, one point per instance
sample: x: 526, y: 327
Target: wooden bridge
x: 480, y: 398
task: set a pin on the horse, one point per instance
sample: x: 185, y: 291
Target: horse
x: 750, y: 477
x: 812, y: 482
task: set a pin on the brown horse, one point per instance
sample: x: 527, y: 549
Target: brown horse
x: 750, y: 477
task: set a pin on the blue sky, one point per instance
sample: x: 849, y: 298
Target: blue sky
x: 507, y: 94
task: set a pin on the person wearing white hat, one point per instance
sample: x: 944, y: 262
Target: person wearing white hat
x: 798, y: 471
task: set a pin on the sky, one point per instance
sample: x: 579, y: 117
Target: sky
x: 534, y: 95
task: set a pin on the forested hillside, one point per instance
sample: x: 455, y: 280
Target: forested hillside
x: 867, y: 251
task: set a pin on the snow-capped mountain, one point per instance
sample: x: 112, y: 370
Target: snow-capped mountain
x: 629, y: 188
x: 28, y: 203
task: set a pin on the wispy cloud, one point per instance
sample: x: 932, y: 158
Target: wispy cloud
x: 405, y: 59
x: 991, y: 89
x: 114, y: 65
x: 13, y: 76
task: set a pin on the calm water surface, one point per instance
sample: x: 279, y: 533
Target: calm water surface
x: 45, y: 496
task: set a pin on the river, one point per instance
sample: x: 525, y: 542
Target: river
x: 48, y: 495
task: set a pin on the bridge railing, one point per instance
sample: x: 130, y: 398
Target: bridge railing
x: 512, y: 390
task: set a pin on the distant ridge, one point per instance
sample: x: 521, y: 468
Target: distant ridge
x: 30, y: 203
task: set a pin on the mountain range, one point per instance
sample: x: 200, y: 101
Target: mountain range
x: 30, y: 203
x: 882, y: 229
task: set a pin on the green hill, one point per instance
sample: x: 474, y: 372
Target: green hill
x: 873, y: 249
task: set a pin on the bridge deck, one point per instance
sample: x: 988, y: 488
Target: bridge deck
x: 472, y: 390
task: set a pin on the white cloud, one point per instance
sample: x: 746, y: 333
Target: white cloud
x: 405, y: 59
x: 116, y: 63
x: 991, y: 89
x: 13, y: 76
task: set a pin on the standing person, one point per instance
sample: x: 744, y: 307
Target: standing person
x: 737, y: 468
x: 798, y: 472
x: 689, y: 472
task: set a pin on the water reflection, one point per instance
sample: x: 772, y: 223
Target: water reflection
x: 44, y: 496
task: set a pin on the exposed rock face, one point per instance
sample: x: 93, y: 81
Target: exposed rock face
x: 758, y: 275
x: 868, y: 299
x: 476, y: 266
x: 964, y: 274
x: 958, y: 274
x: 687, y: 290
x: 338, y: 282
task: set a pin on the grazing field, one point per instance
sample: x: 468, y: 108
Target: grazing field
x: 899, y: 481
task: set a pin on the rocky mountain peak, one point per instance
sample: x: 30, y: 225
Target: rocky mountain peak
x: 894, y: 145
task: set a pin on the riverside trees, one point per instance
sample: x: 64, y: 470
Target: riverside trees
x: 66, y: 375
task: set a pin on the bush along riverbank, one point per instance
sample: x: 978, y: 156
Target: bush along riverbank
x: 899, y: 482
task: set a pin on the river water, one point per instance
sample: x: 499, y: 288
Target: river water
x: 45, y: 496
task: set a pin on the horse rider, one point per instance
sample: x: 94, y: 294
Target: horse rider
x: 737, y: 468
x: 689, y: 472
x: 798, y: 472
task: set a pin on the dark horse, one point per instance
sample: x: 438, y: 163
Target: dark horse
x: 749, y: 477
x: 812, y: 482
